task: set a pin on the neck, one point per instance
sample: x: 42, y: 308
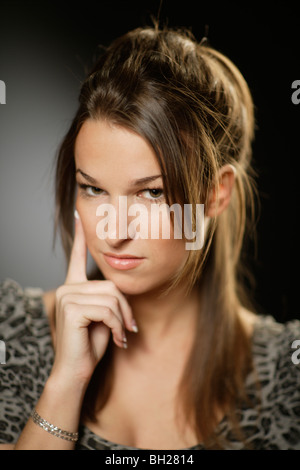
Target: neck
x: 163, y: 321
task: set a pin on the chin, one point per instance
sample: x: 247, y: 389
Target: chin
x: 133, y: 283
x: 133, y: 286
x: 130, y: 287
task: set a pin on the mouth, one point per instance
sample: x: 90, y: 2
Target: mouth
x: 122, y: 261
x: 122, y: 256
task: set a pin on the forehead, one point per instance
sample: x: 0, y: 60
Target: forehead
x: 101, y: 145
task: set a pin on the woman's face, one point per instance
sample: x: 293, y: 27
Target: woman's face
x: 109, y: 162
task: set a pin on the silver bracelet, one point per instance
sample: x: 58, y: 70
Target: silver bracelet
x: 54, y: 430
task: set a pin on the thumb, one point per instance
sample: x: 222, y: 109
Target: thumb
x: 77, y: 265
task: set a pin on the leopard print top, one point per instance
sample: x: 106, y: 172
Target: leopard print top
x: 25, y: 334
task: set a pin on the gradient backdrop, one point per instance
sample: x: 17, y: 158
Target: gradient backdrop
x: 44, y: 49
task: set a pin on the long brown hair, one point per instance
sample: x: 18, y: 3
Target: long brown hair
x: 193, y: 106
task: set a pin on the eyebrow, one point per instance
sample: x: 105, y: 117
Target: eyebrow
x: 133, y: 183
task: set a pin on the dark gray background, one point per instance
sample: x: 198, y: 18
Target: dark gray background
x: 44, y: 49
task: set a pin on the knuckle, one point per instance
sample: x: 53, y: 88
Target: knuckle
x: 116, y: 332
x: 110, y: 284
x: 114, y: 303
x: 89, y: 287
x: 59, y: 292
x: 69, y: 310
x: 67, y: 298
x: 107, y: 312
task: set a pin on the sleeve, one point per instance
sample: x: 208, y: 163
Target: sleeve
x: 26, y: 341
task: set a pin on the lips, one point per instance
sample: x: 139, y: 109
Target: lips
x: 122, y: 262
x: 120, y: 256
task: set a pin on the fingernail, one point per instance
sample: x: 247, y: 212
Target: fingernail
x: 134, y: 326
x: 76, y: 215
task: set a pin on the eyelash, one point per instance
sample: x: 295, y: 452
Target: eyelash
x: 85, y: 187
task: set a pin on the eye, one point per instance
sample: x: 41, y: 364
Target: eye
x: 155, y: 193
x: 89, y: 191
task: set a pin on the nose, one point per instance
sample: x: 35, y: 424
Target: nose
x: 114, y: 227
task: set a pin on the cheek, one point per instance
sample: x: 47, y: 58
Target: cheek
x: 156, y: 222
x: 89, y: 221
x: 168, y: 255
x: 168, y: 250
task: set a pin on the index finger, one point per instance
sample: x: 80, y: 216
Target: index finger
x: 77, y: 265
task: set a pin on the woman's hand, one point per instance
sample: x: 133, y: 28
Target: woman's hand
x: 87, y: 312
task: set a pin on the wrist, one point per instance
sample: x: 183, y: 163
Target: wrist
x: 61, y: 403
x: 68, y: 379
x: 63, y: 389
x: 54, y: 421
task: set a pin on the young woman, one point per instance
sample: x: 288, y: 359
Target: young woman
x: 158, y: 348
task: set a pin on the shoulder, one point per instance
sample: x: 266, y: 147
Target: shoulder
x: 272, y: 421
x: 22, y: 312
x: 277, y: 364
x: 15, y: 308
x: 14, y: 298
x: 277, y: 338
x: 10, y: 293
x: 25, y: 334
x: 276, y: 343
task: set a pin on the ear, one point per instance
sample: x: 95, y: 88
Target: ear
x: 226, y: 183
